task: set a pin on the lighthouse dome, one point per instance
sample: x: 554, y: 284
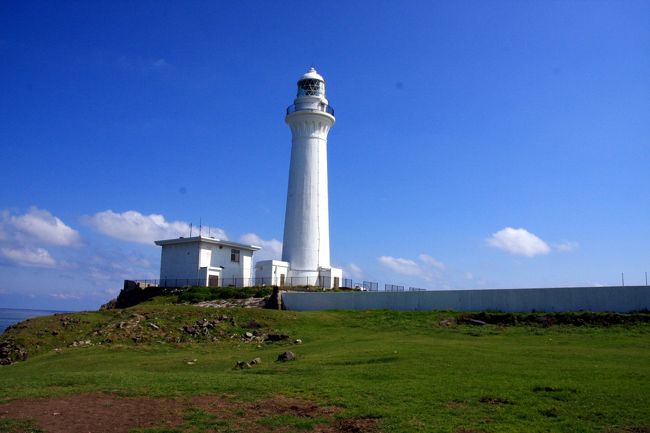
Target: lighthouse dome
x: 311, y: 84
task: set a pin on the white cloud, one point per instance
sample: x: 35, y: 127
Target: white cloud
x: 133, y: 226
x: 37, y: 225
x: 432, y: 262
x: 271, y: 249
x: 64, y: 296
x: 34, y: 257
x: 353, y: 271
x: 519, y: 242
x: 400, y: 265
x: 567, y: 246
x: 429, y: 269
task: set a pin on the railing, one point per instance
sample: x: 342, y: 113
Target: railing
x: 289, y: 283
x: 393, y: 288
x: 321, y: 107
x: 301, y: 282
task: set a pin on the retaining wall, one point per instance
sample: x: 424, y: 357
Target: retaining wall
x: 614, y: 299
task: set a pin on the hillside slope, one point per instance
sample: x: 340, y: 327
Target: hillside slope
x: 357, y: 371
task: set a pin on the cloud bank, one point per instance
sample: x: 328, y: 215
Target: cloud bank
x: 23, y: 236
x: 271, y: 249
x: 426, y: 268
x: 132, y: 226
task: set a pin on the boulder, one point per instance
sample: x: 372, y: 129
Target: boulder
x: 241, y: 365
x: 286, y: 356
x: 277, y: 337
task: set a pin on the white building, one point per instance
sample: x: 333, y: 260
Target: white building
x: 306, y: 244
x: 205, y: 261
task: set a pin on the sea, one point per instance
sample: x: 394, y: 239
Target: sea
x: 10, y: 316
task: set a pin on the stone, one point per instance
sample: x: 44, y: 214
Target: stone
x: 154, y: 326
x: 297, y: 341
x: 253, y: 324
x: 256, y: 361
x: 248, y: 335
x: 277, y: 337
x: 476, y: 322
x: 286, y: 356
x: 241, y: 365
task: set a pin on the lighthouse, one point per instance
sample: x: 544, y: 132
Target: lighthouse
x: 306, y: 243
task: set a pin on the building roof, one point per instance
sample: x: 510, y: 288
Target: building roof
x: 207, y: 240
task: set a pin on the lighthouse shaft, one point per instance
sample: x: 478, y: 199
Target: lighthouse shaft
x: 306, y: 227
x: 306, y: 245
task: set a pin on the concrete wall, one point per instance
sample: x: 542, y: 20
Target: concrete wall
x: 618, y: 299
x: 179, y: 261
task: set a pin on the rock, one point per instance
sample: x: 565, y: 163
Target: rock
x: 277, y: 337
x: 297, y: 341
x: 286, y: 356
x: 110, y: 305
x: 476, y: 322
x: 253, y: 324
x: 256, y: 361
x: 190, y: 330
x: 240, y: 365
x: 154, y: 326
x: 248, y: 335
x: 445, y: 322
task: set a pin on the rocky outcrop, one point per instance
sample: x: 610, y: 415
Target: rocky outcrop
x: 10, y: 352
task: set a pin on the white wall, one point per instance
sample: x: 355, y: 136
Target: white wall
x: 214, y: 256
x: 179, y: 261
x: 617, y: 299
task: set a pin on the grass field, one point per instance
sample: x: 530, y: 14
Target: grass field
x: 411, y: 371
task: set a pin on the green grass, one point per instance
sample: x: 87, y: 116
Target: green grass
x: 405, y: 368
x: 18, y: 426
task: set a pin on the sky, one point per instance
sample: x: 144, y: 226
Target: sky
x: 477, y: 144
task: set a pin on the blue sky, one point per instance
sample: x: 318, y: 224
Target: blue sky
x: 477, y: 144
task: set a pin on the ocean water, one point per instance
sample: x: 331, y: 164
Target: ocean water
x: 9, y: 316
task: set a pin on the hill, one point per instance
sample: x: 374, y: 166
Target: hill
x: 169, y: 367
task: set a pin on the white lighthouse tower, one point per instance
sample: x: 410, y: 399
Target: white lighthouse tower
x: 306, y: 244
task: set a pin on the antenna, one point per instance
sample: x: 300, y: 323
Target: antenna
x: 623, y: 279
x: 200, y: 227
x: 190, y: 229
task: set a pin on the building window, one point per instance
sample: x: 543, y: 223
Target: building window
x: 234, y: 256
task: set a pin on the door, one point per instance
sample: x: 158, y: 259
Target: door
x: 281, y: 280
x: 336, y: 282
x: 214, y: 281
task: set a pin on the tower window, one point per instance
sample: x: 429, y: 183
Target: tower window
x: 234, y: 256
x: 311, y: 87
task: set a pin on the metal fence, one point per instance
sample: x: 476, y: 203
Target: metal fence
x: 288, y: 283
x: 393, y: 288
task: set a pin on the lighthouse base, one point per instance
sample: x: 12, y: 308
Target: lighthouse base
x: 327, y: 278
x: 278, y: 273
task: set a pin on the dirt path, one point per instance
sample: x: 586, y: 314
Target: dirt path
x: 107, y: 413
